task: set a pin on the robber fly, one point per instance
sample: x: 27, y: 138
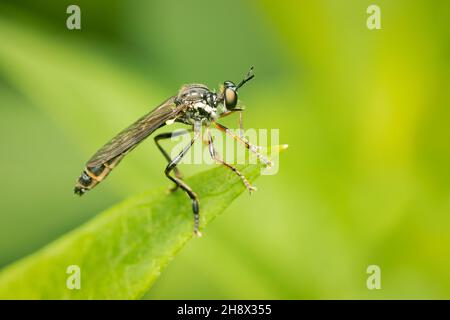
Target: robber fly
x: 194, y: 105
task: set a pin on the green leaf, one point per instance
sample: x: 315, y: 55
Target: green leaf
x: 123, y: 250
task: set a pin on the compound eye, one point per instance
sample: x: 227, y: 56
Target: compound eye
x: 230, y: 98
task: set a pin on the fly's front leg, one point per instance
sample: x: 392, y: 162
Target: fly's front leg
x: 168, y: 135
x: 248, y: 145
x: 180, y: 183
x: 241, y: 126
x: 215, y: 156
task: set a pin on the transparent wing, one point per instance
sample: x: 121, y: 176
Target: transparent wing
x: 136, y: 132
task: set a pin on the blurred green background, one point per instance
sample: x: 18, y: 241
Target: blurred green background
x: 365, y: 113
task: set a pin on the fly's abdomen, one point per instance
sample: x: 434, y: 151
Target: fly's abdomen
x: 91, y: 176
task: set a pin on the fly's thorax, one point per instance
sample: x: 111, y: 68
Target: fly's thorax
x: 200, y: 112
x: 202, y: 104
x: 190, y: 93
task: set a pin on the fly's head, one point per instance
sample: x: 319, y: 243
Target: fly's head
x: 205, y: 106
x: 228, y: 94
x: 227, y: 98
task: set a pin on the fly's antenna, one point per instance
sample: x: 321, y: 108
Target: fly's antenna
x: 247, y: 78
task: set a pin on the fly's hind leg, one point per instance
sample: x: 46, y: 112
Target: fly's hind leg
x: 215, y: 156
x: 183, y: 185
x: 168, y: 135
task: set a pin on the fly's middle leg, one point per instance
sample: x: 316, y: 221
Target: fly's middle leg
x: 183, y: 185
x: 215, y: 156
x: 168, y: 135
